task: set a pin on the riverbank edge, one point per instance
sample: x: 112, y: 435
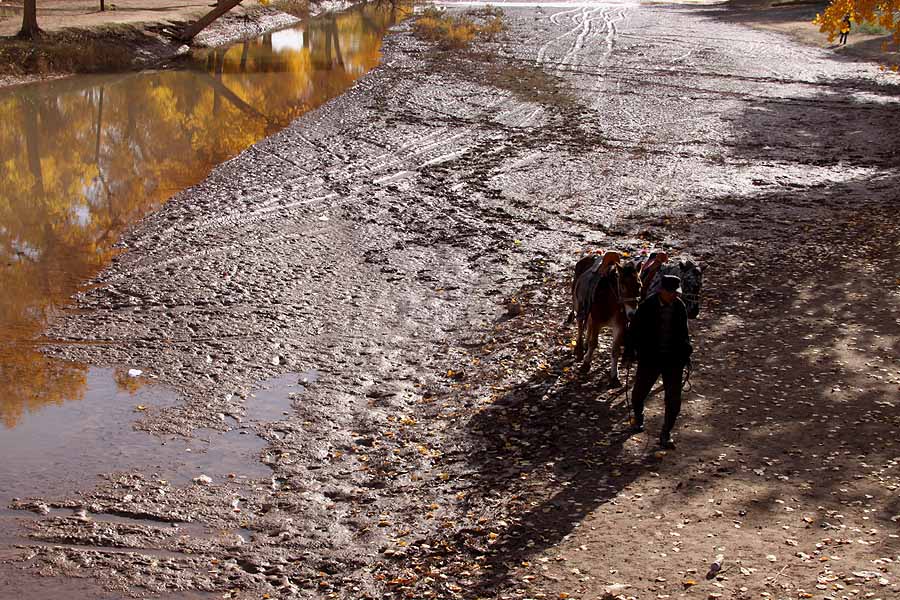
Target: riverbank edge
x: 139, y: 47
x: 793, y: 18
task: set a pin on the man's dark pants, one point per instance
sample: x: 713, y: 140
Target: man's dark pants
x: 648, y: 371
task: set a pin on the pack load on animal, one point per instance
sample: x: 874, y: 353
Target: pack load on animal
x: 606, y: 290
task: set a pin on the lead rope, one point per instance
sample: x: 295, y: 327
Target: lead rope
x: 627, y: 373
x: 686, y: 384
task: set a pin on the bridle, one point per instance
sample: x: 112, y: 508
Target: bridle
x: 621, y: 299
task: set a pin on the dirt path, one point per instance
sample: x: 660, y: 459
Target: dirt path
x: 446, y: 449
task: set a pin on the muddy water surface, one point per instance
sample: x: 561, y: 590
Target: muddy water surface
x: 64, y: 446
x: 83, y: 158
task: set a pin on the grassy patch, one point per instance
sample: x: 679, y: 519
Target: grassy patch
x: 869, y: 29
x: 485, y: 12
x: 531, y: 84
x: 458, y: 31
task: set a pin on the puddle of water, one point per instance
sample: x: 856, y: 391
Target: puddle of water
x: 274, y: 398
x: 16, y: 583
x: 84, y: 157
x: 62, y: 447
x: 66, y: 445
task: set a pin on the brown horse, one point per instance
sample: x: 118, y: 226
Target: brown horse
x: 603, y: 301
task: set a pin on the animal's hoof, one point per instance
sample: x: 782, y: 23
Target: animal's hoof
x: 614, y: 382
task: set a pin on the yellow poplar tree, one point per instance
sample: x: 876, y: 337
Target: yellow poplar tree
x: 876, y: 12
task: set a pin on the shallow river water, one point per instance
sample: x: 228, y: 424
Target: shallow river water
x: 83, y: 158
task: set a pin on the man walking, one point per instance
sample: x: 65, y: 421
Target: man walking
x: 845, y: 30
x: 659, y: 336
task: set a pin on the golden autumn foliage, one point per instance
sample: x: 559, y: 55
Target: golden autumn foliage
x: 457, y: 31
x: 876, y: 15
x: 83, y: 158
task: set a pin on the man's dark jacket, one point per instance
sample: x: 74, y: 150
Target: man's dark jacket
x: 643, y: 333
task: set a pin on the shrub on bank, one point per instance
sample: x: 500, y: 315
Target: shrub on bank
x: 458, y: 31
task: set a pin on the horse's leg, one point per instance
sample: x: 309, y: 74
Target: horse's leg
x: 579, y: 341
x: 593, y: 332
x: 618, y: 340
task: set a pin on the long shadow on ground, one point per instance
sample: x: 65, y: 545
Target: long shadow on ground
x: 794, y: 394
x: 797, y: 354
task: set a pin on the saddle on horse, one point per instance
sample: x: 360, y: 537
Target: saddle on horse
x: 650, y: 270
x: 590, y: 280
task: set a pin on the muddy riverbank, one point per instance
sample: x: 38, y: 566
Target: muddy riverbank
x: 446, y: 448
x: 129, y: 40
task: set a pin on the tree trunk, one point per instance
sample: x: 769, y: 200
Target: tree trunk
x: 99, y: 130
x: 220, y: 64
x: 32, y: 143
x: 337, y: 43
x: 233, y: 98
x: 102, y: 5
x: 190, y: 31
x: 30, y: 28
x: 244, y: 52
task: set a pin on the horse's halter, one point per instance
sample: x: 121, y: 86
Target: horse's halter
x: 622, y: 300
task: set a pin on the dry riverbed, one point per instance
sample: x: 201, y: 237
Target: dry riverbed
x: 405, y: 252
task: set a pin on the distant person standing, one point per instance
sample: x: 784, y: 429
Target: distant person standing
x: 659, y: 336
x: 845, y: 30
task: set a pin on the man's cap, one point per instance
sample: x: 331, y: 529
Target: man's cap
x: 671, y: 283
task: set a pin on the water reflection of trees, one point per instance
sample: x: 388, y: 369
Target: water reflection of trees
x: 82, y: 158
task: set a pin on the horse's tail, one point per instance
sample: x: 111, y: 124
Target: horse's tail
x: 579, y: 298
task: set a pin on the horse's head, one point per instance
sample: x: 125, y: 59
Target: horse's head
x: 630, y: 286
x: 692, y: 286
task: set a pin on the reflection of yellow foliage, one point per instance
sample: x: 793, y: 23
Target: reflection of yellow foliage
x: 82, y: 158
x: 881, y: 13
x: 31, y: 380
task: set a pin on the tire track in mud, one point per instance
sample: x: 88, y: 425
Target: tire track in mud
x: 380, y: 169
x: 437, y: 146
x: 580, y: 28
x: 400, y: 163
x: 393, y: 166
x: 511, y: 115
x: 585, y: 27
